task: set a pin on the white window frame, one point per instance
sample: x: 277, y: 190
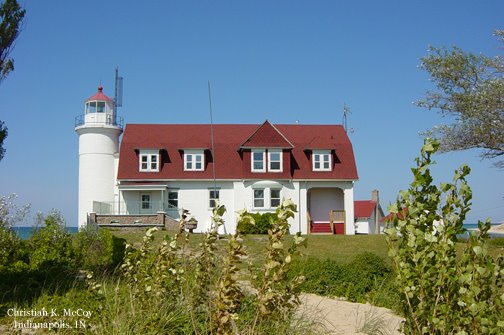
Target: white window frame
x: 280, y: 160
x: 175, y: 199
x: 321, y: 154
x: 252, y: 160
x: 279, y: 198
x: 213, y: 200
x: 191, y: 157
x: 151, y: 160
x: 254, y: 198
x: 148, y: 201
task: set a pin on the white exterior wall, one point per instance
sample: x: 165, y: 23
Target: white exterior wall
x: 244, y: 198
x: 362, y: 226
x: 237, y: 195
x: 349, y: 209
x: 98, y: 148
x: 195, y: 197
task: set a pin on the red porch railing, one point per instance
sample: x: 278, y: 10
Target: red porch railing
x: 335, y: 225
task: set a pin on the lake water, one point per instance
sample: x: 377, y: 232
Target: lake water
x: 26, y: 232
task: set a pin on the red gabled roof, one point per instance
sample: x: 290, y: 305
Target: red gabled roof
x: 229, y: 160
x: 99, y: 96
x: 267, y: 136
x: 364, y: 208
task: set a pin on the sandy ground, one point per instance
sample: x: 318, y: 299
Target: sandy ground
x: 336, y: 317
x: 343, y: 317
x: 499, y: 229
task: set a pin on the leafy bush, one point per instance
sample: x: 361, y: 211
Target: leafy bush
x: 11, y: 247
x: 52, y: 245
x: 97, y: 249
x: 442, y: 293
x: 366, y: 278
x: 262, y: 223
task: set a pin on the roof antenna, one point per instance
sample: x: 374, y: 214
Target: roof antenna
x: 346, y: 111
x: 118, y: 96
x: 212, y: 146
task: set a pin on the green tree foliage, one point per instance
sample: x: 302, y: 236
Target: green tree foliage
x: 443, y: 293
x: 470, y: 88
x: 11, y: 19
x: 3, y: 136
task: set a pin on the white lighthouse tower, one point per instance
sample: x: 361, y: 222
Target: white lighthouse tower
x: 99, y: 130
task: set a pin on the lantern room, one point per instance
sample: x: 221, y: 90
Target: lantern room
x: 99, y: 109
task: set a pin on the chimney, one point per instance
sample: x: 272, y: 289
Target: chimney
x: 374, y: 196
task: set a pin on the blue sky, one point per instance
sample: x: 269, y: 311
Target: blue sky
x: 284, y: 61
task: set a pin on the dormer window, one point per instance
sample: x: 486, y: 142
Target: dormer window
x: 194, y: 160
x: 274, y: 160
x: 258, y: 160
x: 321, y: 160
x: 149, y: 161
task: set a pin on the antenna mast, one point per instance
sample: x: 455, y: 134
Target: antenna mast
x: 212, y: 146
x: 118, y: 96
x: 346, y: 111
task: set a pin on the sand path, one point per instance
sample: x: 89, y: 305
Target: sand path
x: 343, y: 317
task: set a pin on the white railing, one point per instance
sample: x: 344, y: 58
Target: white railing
x: 134, y: 208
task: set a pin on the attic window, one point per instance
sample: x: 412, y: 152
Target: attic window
x: 274, y: 160
x: 149, y: 161
x: 321, y: 160
x: 258, y: 160
x: 194, y: 160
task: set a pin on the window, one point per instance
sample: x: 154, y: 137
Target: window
x: 259, y: 198
x: 95, y: 107
x: 149, y: 162
x: 321, y: 160
x: 258, y: 160
x: 274, y: 197
x: 193, y: 160
x: 275, y: 160
x: 214, y: 198
x: 173, y: 198
x: 100, y: 107
x: 145, y: 201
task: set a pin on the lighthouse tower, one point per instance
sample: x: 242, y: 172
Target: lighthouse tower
x: 99, y: 130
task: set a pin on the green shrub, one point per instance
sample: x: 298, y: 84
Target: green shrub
x: 366, y: 278
x: 9, y: 246
x: 52, y: 245
x: 12, y: 248
x: 262, y: 223
x: 97, y: 249
x: 442, y: 292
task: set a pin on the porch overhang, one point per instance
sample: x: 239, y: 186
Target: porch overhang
x: 143, y: 187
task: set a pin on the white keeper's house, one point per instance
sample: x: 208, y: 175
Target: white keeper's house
x: 157, y: 169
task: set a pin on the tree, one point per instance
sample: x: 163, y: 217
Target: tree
x: 470, y: 88
x: 3, y: 135
x: 11, y: 19
x: 11, y: 16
